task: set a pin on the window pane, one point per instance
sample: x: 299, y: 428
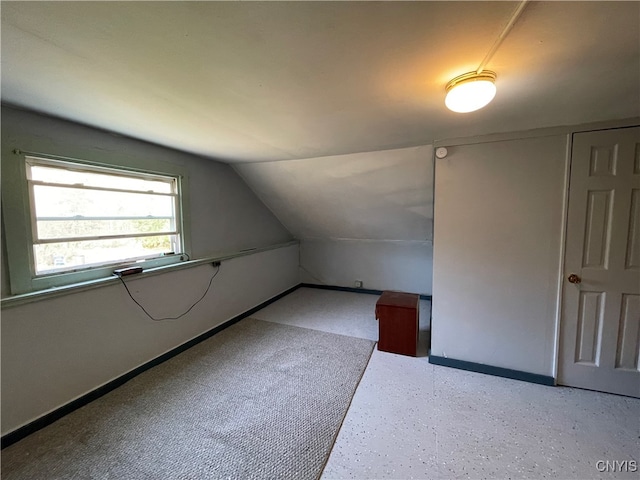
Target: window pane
x: 70, y: 202
x: 63, y: 256
x: 49, y: 229
x: 91, y: 179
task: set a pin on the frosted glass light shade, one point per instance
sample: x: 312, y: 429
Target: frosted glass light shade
x: 471, y: 91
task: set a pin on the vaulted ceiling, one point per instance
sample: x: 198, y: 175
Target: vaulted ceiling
x: 259, y: 81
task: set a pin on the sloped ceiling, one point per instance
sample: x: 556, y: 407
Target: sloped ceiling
x: 384, y: 195
x: 266, y: 84
x: 255, y: 81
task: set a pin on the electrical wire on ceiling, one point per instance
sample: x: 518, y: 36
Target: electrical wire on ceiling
x: 502, y: 36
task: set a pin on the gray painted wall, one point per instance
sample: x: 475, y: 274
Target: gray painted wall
x: 496, y: 266
x: 380, y: 265
x: 57, y: 349
x: 365, y: 216
x: 225, y: 213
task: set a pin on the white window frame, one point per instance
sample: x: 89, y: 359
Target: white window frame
x: 19, y: 224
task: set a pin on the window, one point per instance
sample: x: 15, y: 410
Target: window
x: 83, y: 220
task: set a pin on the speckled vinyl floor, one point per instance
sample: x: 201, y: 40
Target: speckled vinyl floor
x: 413, y: 420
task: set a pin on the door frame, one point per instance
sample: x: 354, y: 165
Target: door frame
x: 600, y: 126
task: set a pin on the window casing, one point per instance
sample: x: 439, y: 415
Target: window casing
x: 82, y: 220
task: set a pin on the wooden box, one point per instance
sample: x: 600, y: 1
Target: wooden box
x: 397, y: 315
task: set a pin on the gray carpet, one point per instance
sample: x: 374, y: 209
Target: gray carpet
x: 257, y: 400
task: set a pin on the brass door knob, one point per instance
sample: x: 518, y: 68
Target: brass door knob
x: 573, y: 278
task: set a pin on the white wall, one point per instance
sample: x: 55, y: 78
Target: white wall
x: 380, y: 265
x: 56, y: 350
x: 497, y: 245
x: 365, y: 216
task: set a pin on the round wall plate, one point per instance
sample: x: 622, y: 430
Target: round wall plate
x: 441, y: 152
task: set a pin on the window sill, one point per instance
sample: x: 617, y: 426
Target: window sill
x: 48, y: 293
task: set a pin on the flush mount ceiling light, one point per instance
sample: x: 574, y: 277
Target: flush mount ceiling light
x: 470, y: 91
x: 474, y: 90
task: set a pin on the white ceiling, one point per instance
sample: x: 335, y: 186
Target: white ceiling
x: 256, y: 81
x: 384, y: 195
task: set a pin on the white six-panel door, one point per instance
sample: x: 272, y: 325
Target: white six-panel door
x: 600, y: 326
